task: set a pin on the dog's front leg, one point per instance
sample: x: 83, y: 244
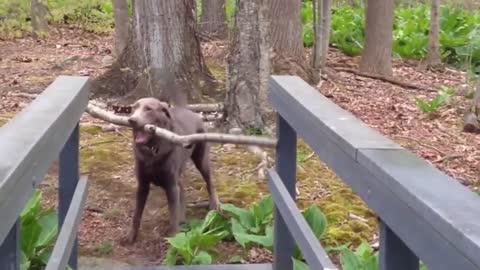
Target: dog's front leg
x: 173, y: 199
x: 142, y: 193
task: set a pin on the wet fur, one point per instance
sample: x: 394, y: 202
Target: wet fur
x: 162, y: 163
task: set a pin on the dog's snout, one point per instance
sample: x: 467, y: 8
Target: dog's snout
x: 133, y: 121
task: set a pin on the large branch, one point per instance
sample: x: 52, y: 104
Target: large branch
x: 184, y: 140
x: 385, y: 79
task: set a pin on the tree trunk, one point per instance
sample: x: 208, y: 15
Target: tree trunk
x: 322, y: 32
x: 38, y: 14
x: 163, y: 55
x: 433, y: 54
x: 248, y: 67
x: 122, y: 23
x: 472, y: 115
x: 286, y: 39
x: 213, y: 22
x: 377, y: 53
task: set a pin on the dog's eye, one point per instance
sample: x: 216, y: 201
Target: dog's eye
x: 148, y: 109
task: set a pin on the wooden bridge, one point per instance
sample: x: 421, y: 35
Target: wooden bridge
x: 425, y: 214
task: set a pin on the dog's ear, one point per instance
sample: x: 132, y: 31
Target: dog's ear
x: 166, y: 112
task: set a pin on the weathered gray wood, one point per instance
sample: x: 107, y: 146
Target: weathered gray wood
x: 205, y: 267
x: 68, y: 233
x: 344, y: 149
x: 291, y: 95
x: 10, y: 249
x: 286, y: 165
x: 308, y: 243
x: 31, y: 141
x: 68, y: 175
x: 394, y: 254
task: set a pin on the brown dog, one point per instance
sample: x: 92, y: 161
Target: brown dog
x: 162, y: 163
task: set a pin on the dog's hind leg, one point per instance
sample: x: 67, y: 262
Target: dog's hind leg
x: 200, y: 158
x: 183, y: 202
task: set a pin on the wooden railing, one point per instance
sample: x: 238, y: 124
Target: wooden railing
x: 46, y: 130
x: 424, y: 213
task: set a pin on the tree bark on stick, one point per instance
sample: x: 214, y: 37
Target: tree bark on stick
x: 248, y: 68
x: 213, y: 22
x: 122, y: 24
x: 183, y: 140
x: 433, y: 54
x: 377, y: 53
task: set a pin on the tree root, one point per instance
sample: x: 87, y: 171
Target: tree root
x: 385, y: 79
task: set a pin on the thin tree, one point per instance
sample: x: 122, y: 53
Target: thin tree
x: 377, y: 53
x: 248, y: 67
x: 162, y: 58
x: 120, y: 11
x: 322, y: 17
x: 213, y: 22
x: 286, y: 39
x: 433, y: 54
x: 38, y: 15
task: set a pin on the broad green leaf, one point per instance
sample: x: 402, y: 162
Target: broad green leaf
x: 349, y: 260
x: 170, y: 257
x: 32, y: 208
x: 243, y: 215
x: 202, y: 258
x: 29, y: 235
x: 179, y: 241
x: 45, y: 256
x: 299, y: 265
x: 364, y: 250
x: 316, y: 220
x: 48, y: 223
x: 238, y: 229
x: 24, y: 261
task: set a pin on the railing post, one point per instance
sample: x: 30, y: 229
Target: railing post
x: 286, y: 160
x: 394, y: 254
x: 68, y: 178
x: 10, y: 249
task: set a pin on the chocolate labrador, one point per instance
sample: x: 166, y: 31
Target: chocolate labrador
x: 161, y: 163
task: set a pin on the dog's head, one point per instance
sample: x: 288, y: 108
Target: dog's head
x: 148, y: 111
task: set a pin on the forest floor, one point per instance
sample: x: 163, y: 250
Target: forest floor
x: 29, y: 66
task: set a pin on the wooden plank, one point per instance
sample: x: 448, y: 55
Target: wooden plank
x: 68, y: 175
x: 68, y: 233
x: 448, y: 206
x: 10, y: 249
x: 409, y: 222
x: 306, y: 240
x: 290, y: 94
x: 286, y: 165
x: 30, y: 142
x: 394, y: 254
x: 205, y: 267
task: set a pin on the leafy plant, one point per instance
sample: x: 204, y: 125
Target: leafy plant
x: 38, y: 230
x: 438, y: 101
x: 196, y: 246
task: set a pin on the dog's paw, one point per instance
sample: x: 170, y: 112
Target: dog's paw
x: 128, y: 239
x: 214, y: 204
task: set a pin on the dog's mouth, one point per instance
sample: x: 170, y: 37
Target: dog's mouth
x: 142, y: 137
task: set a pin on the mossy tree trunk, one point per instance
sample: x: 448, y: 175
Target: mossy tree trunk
x: 213, y: 22
x: 38, y: 14
x: 163, y: 58
x: 322, y: 9
x: 433, y: 55
x: 248, y: 67
x: 122, y: 23
x: 377, y: 53
x: 286, y: 39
